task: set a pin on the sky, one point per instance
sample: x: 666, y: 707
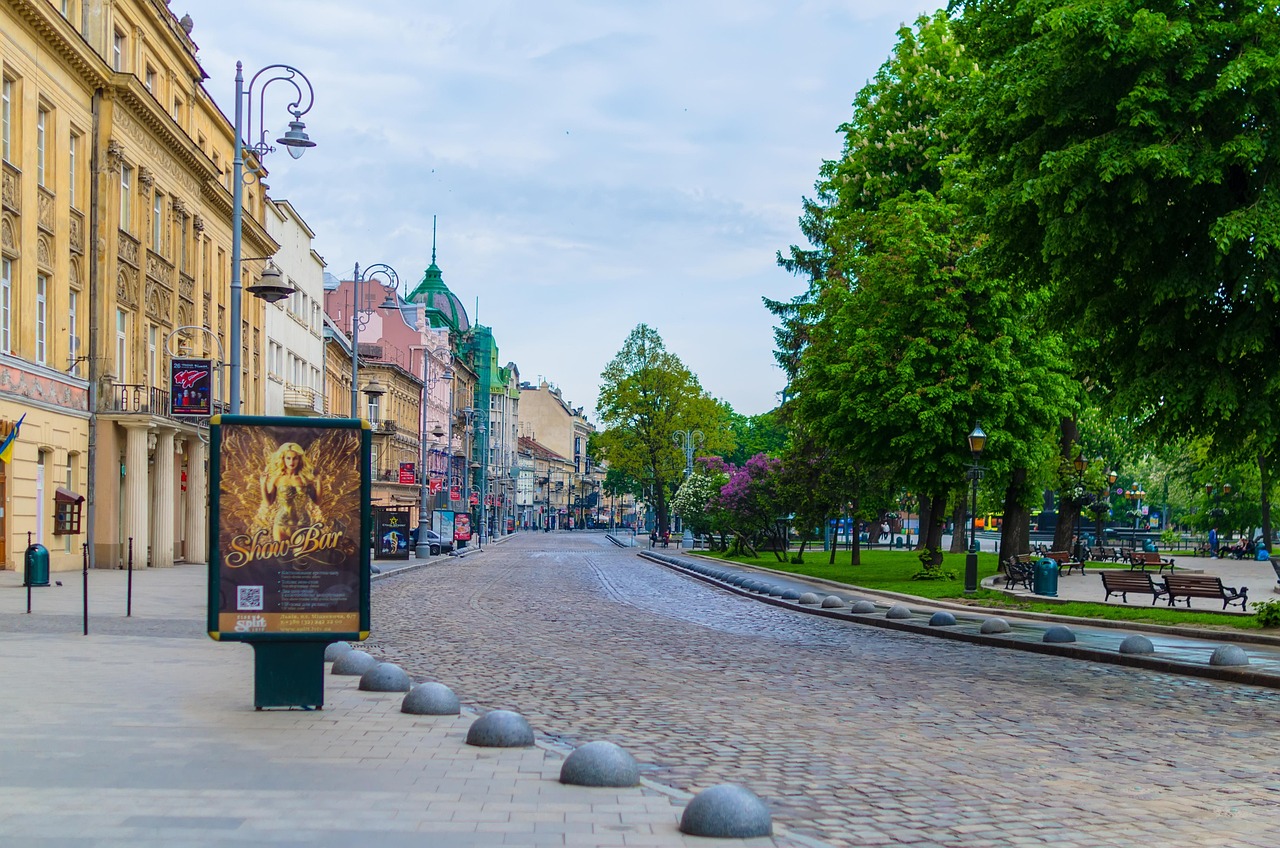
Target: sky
x: 592, y: 165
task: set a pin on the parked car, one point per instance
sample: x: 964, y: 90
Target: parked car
x: 433, y: 539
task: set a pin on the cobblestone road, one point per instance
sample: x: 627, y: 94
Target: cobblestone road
x: 855, y: 735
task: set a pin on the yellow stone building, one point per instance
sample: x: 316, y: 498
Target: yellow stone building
x: 115, y: 233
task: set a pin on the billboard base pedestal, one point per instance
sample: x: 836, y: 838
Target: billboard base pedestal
x: 288, y: 674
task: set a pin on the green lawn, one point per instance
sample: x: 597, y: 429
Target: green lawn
x: 891, y: 570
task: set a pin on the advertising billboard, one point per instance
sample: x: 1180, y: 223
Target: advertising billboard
x: 289, y: 528
x: 191, y: 387
x: 462, y: 527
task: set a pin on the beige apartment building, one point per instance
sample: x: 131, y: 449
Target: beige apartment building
x: 115, y: 243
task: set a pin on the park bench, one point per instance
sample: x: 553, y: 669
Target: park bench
x: 1064, y: 560
x: 1019, y: 570
x: 1122, y: 582
x: 1139, y: 560
x: 1190, y: 586
x: 1104, y: 554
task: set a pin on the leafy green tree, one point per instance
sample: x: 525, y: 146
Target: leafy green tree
x: 755, y: 434
x: 905, y: 339
x: 1126, y: 155
x: 646, y: 395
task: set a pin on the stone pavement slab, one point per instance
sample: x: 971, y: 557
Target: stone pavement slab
x: 133, y: 737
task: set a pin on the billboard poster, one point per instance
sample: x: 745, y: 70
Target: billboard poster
x: 191, y: 387
x: 392, y: 531
x: 462, y: 527
x: 455, y: 493
x: 289, y: 528
x: 407, y: 477
x: 442, y: 523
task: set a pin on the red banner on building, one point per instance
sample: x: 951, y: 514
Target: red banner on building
x: 406, y: 473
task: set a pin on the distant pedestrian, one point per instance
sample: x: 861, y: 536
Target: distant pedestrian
x: 666, y: 538
x: 653, y: 537
x: 1213, y: 541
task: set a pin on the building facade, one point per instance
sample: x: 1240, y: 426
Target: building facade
x: 294, y: 327
x: 115, y: 241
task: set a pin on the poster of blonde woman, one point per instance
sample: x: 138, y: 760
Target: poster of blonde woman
x: 289, y: 524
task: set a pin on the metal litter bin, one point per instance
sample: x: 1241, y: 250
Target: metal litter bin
x: 1045, y: 581
x: 35, y: 566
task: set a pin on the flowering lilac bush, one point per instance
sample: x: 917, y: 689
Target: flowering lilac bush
x: 754, y: 502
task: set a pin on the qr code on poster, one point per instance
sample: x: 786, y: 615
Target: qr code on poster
x: 248, y: 597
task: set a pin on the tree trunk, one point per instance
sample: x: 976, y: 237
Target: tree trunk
x: 1264, y: 474
x: 960, y: 526
x: 937, y: 513
x: 1015, y: 533
x: 924, y: 522
x: 1068, y: 510
x: 855, y: 543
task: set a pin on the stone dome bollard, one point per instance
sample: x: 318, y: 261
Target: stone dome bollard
x: 790, y: 595
x: 385, y: 677
x: 862, y: 606
x: 1229, y: 655
x: 335, y: 650
x: 353, y: 662
x: 600, y: 764
x: 500, y: 729
x: 994, y: 625
x: 1137, y: 645
x: 431, y: 699
x: 810, y: 598
x: 898, y: 611
x: 726, y: 811
x: 942, y: 619
x: 832, y: 602
x: 1058, y: 635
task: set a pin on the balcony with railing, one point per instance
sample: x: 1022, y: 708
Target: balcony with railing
x: 141, y: 399
x: 300, y: 400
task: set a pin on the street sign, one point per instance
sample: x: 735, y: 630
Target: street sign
x: 455, y: 493
x: 435, y: 485
x: 475, y: 499
x: 406, y: 473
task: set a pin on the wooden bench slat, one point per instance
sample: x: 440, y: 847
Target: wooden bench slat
x: 1122, y: 582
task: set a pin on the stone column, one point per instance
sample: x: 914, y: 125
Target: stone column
x: 162, y: 518
x: 197, y: 517
x: 137, y: 494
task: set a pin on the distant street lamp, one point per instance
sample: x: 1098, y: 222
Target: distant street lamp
x: 1136, y: 494
x: 977, y: 441
x: 393, y: 280
x: 429, y: 381
x: 271, y: 288
x: 1080, y: 464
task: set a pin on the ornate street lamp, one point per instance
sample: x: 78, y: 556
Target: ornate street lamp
x: 297, y: 142
x: 977, y: 442
x: 429, y: 381
x: 1080, y: 464
x: 358, y: 321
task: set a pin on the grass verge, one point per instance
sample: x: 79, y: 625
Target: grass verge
x: 891, y: 571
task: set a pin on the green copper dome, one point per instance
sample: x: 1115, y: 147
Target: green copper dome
x: 442, y: 308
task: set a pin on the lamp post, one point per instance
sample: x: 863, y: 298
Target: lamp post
x: 690, y: 439
x: 1136, y: 494
x: 270, y: 289
x: 977, y: 441
x: 423, y: 549
x: 1080, y: 464
x: 393, y: 280
x: 1217, y: 490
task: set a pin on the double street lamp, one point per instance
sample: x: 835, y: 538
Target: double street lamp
x: 357, y: 321
x: 977, y: 441
x: 1136, y: 494
x: 272, y: 287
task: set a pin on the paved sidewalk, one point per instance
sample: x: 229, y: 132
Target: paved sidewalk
x: 1259, y: 577
x: 143, y: 734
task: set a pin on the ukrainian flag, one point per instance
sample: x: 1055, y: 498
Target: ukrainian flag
x: 6, y: 447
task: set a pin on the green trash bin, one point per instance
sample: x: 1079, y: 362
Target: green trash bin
x: 35, y: 570
x: 1045, y: 581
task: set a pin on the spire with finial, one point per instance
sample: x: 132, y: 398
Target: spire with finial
x: 443, y: 309
x: 433, y: 239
